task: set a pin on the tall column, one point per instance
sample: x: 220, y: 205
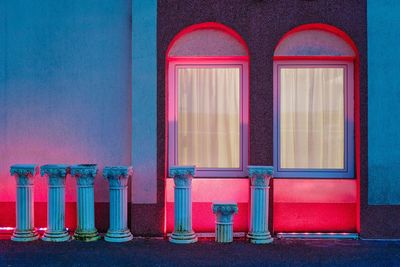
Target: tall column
x: 56, y: 175
x: 259, y: 178
x: 85, y: 175
x: 224, y: 222
x: 118, y: 180
x: 24, y: 175
x: 183, y: 232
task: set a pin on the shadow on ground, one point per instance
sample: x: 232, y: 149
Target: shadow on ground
x: 152, y: 252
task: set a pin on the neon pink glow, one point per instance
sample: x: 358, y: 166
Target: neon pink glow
x: 206, y: 191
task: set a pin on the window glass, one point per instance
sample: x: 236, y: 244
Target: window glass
x: 208, y: 128
x: 312, y: 124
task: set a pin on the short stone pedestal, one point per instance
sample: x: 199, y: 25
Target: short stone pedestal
x: 258, y: 229
x: 85, y: 175
x: 224, y: 222
x: 24, y: 175
x: 56, y: 175
x: 183, y: 232
x: 118, y: 180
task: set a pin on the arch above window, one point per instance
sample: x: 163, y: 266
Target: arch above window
x: 207, y: 39
x: 208, y: 95
x: 313, y: 42
x: 314, y: 103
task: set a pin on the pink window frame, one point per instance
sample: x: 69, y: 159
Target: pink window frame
x: 320, y: 62
x: 203, y: 62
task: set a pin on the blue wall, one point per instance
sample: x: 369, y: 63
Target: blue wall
x: 383, y: 102
x: 65, y: 87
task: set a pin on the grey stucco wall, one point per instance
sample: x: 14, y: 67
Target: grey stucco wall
x: 65, y: 87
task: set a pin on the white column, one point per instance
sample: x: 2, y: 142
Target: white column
x: 85, y: 175
x: 183, y: 232
x: 56, y: 175
x: 24, y: 175
x: 258, y: 229
x: 224, y: 223
x: 118, y: 180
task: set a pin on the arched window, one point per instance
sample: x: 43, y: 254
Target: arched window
x: 314, y: 103
x: 207, y: 73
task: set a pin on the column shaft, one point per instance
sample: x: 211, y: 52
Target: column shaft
x: 118, y: 180
x: 25, y: 210
x: 183, y: 232
x: 259, y: 200
x: 24, y: 175
x: 85, y: 175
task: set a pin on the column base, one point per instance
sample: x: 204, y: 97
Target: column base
x: 56, y: 236
x: 118, y: 236
x: 25, y: 236
x: 86, y: 236
x: 183, y: 238
x: 260, y: 238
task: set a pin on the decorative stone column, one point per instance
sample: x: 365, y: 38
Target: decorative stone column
x: 224, y: 222
x: 24, y: 175
x: 56, y: 175
x: 118, y: 180
x: 259, y: 178
x: 183, y: 232
x: 85, y: 174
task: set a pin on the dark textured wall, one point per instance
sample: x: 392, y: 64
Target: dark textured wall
x: 261, y: 24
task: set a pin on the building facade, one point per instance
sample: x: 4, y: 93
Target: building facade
x: 209, y: 83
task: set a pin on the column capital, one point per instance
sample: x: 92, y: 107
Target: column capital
x: 24, y: 172
x: 182, y: 175
x: 85, y: 174
x: 56, y: 173
x: 117, y: 176
x: 54, y: 170
x: 260, y: 175
x: 224, y: 211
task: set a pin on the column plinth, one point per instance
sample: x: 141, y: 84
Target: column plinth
x: 56, y: 175
x: 224, y: 223
x: 24, y: 176
x: 259, y: 200
x: 183, y: 232
x: 85, y: 175
x: 118, y: 178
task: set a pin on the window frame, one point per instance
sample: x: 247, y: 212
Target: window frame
x: 348, y: 66
x: 172, y: 107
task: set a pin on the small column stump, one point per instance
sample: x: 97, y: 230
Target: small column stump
x: 56, y: 176
x: 224, y: 222
x: 260, y: 177
x: 118, y: 178
x: 183, y: 232
x: 24, y: 177
x: 85, y: 175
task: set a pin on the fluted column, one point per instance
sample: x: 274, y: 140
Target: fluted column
x: 85, y: 175
x: 24, y: 175
x: 56, y: 175
x: 118, y: 180
x: 183, y: 232
x: 258, y: 229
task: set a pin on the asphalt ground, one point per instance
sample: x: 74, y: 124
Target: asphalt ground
x: 159, y: 252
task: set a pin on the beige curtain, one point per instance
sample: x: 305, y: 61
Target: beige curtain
x: 209, y: 117
x: 312, y: 118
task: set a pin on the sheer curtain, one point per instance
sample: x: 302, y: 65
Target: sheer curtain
x: 312, y: 118
x: 209, y: 117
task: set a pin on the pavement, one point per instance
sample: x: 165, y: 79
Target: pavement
x: 159, y: 252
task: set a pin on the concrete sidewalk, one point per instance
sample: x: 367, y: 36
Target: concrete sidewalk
x: 153, y: 252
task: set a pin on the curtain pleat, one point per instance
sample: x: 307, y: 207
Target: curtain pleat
x: 312, y: 118
x: 209, y: 117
